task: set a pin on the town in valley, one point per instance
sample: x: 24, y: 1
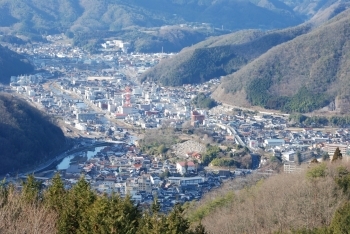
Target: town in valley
x: 111, y: 119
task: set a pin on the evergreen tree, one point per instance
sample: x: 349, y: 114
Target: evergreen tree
x: 95, y: 219
x: 175, y: 222
x: 337, y: 155
x: 55, y: 195
x: 155, y: 206
x: 79, y: 199
x: 31, y: 189
x: 341, y: 220
x: 199, y: 229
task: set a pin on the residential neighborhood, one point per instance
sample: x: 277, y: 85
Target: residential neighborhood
x: 98, y: 98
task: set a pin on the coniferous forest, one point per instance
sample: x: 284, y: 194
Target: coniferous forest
x: 54, y: 209
x: 316, y: 200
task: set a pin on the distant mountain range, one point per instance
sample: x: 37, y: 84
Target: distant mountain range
x: 12, y: 64
x: 85, y: 15
x: 26, y: 135
x: 218, y: 56
x: 298, y: 69
x: 133, y: 19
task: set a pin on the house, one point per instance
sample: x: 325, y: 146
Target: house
x: 289, y: 156
x: 183, y: 167
x: 270, y: 143
x: 183, y: 181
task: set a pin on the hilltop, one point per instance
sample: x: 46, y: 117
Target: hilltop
x: 155, y: 24
x: 12, y: 64
x: 26, y: 135
x: 226, y: 54
x: 305, y: 74
x: 218, y: 56
x: 89, y: 21
x: 86, y: 15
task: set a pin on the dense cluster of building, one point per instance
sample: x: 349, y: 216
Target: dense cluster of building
x: 120, y: 169
x: 93, y: 89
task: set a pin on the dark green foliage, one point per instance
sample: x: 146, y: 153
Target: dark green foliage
x: 55, y: 195
x: 337, y: 155
x: 320, y: 120
x: 257, y: 92
x: 224, y: 162
x: 80, y: 210
x: 111, y: 215
x: 31, y: 189
x: 303, y: 101
x: 343, y: 179
x: 26, y: 135
x: 211, y: 153
x: 176, y: 222
x: 78, y: 200
x: 203, y: 102
x: 341, y: 220
x: 12, y: 64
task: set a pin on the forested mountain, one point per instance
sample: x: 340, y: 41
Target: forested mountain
x: 219, y: 56
x: 12, y: 64
x: 26, y: 135
x: 86, y: 15
x: 304, y: 74
x: 141, y: 22
x: 223, y: 55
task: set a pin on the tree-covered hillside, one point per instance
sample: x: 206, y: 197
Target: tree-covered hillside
x: 26, y: 135
x: 12, y: 64
x: 302, y: 75
x: 80, y: 210
x: 35, y: 16
x: 140, y: 22
x: 313, y: 201
x: 218, y: 56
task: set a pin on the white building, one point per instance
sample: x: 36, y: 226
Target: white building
x: 270, y: 143
x: 186, y: 180
x: 289, y: 156
x: 181, y: 167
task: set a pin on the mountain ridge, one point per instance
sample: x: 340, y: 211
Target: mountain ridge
x: 26, y: 135
x: 12, y: 64
x: 218, y: 56
x: 313, y: 64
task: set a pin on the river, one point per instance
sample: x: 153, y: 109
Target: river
x: 64, y: 164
